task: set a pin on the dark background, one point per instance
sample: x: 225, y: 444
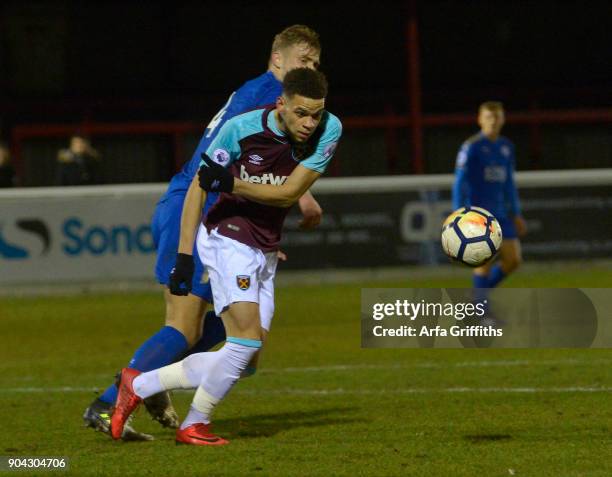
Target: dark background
x: 67, y: 62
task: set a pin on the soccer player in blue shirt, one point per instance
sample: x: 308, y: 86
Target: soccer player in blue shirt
x: 184, y: 330
x: 262, y: 162
x: 485, y: 178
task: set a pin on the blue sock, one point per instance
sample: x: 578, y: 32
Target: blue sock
x: 161, y: 349
x: 109, y: 396
x: 213, y: 333
x: 495, y: 276
x: 481, y: 287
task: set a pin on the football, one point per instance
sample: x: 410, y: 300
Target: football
x: 471, y: 235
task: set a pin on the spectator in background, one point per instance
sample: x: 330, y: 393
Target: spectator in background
x: 7, y: 172
x: 79, y: 164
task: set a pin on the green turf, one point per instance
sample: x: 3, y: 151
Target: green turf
x: 320, y: 405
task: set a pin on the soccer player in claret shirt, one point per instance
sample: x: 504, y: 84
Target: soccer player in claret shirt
x: 262, y: 162
x: 485, y: 178
x: 296, y: 46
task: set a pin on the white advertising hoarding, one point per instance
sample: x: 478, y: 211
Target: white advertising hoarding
x: 79, y: 233
x: 103, y: 233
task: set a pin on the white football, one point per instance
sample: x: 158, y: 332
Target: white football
x: 471, y: 235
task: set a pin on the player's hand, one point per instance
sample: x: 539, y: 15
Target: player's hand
x: 181, y: 275
x: 311, y: 219
x: 215, y: 178
x: 311, y: 213
x: 282, y: 256
x: 521, y: 226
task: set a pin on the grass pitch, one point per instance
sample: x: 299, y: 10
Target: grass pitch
x: 320, y: 405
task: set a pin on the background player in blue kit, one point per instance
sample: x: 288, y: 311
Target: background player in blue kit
x: 296, y: 46
x: 485, y: 178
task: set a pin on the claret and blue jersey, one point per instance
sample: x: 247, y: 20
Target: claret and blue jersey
x: 254, y: 149
x: 485, y: 177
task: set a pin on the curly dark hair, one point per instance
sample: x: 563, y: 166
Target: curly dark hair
x: 305, y: 82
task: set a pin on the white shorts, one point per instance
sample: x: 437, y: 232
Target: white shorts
x: 238, y: 272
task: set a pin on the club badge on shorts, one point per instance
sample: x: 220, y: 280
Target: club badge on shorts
x: 243, y: 282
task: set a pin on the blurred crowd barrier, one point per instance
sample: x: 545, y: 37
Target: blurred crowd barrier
x: 84, y: 233
x: 371, y: 145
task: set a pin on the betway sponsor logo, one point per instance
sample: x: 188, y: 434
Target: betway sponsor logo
x: 268, y: 178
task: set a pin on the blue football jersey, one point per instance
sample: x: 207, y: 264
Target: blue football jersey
x: 253, y: 94
x: 484, y: 176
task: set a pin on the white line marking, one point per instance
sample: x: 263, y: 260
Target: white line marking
x: 460, y: 364
x: 62, y: 389
x: 375, y: 392
x: 362, y: 366
x: 340, y: 391
x: 356, y: 367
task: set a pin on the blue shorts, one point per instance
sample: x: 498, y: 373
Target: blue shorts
x: 508, y: 228
x: 166, y: 226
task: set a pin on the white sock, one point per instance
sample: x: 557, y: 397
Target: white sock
x: 200, y: 409
x: 147, y: 384
x: 219, y: 371
x: 167, y: 378
x: 197, y: 365
x: 174, y: 376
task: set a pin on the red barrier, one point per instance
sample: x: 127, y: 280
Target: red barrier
x: 389, y: 121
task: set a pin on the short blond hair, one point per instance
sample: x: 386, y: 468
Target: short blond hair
x: 294, y: 35
x: 491, y: 106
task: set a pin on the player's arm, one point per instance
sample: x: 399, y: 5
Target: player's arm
x: 190, y: 217
x: 513, y: 201
x: 182, y: 273
x: 461, y: 186
x: 311, y: 211
x: 285, y: 195
x: 227, y: 150
x: 214, y: 177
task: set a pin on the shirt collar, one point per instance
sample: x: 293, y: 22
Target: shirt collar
x: 273, y: 125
